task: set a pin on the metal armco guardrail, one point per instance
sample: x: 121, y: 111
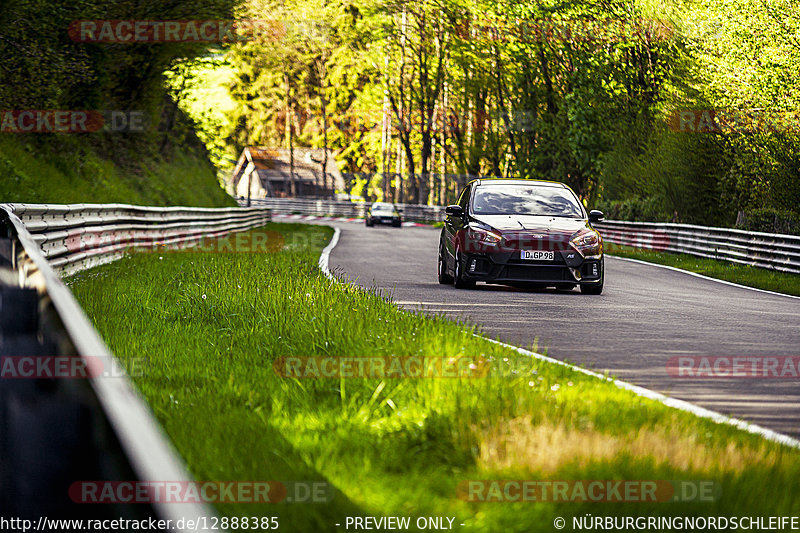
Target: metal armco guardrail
x: 74, y: 237
x: 306, y: 206
x: 54, y: 432
x: 765, y: 250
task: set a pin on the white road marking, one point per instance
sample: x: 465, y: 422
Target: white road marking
x: 695, y: 274
x: 325, y: 256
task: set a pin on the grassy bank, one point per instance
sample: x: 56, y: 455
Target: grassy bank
x: 82, y: 169
x: 759, y: 278
x: 212, y: 325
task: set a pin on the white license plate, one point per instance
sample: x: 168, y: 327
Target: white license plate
x: 537, y: 255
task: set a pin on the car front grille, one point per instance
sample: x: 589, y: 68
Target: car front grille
x: 535, y: 273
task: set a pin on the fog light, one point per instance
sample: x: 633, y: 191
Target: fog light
x: 472, y: 265
x: 594, y: 270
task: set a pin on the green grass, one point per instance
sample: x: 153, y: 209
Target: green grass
x: 760, y: 278
x: 212, y: 325
x: 77, y: 169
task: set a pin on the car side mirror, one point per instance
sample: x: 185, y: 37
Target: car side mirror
x: 596, y: 216
x: 454, y: 211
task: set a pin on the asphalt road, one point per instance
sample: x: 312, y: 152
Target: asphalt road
x: 645, y: 316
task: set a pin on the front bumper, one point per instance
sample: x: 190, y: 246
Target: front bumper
x: 390, y: 221
x: 568, y: 267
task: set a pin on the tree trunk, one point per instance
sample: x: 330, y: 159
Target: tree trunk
x: 386, y: 146
x: 325, y: 151
x: 323, y: 76
x: 173, y: 114
x: 289, y: 136
x: 398, y: 189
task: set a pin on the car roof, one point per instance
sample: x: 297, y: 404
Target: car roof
x: 518, y: 181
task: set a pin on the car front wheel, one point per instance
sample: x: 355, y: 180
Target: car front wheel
x: 444, y: 277
x: 459, y: 281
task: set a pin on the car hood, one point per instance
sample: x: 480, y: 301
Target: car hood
x: 525, y: 224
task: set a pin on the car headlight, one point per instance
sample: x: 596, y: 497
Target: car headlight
x: 480, y: 238
x: 587, y: 242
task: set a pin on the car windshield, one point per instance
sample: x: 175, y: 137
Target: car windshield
x: 383, y: 208
x: 525, y: 200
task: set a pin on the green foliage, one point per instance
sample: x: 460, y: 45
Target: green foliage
x: 200, y: 87
x: 42, y: 68
x: 770, y: 220
x: 93, y: 168
x: 541, y: 89
x: 681, y: 177
x: 633, y: 209
x: 590, y: 108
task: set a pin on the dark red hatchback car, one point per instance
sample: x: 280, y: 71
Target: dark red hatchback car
x: 522, y: 233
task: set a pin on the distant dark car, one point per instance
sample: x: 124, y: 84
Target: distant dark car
x: 521, y: 233
x: 383, y: 213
